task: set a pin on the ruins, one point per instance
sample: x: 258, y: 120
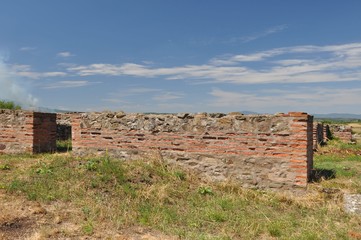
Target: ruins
x: 261, y: 151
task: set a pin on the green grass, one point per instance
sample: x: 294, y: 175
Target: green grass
x: 64, y: 145
x: 150, y: 193
x: 345, y: 160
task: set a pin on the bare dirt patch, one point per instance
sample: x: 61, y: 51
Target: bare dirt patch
x: 24, y: 219
x: 11, y: 228
x: 16, y: 220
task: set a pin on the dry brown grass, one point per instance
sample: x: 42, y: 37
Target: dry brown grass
x: 59, y: 196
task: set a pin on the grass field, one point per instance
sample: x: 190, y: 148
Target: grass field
x: 345, y: 161
x: 61, y: 196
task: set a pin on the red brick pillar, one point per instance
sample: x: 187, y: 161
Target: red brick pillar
x: 302, y: 155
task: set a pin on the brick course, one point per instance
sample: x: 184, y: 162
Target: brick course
x: 319, y: 137
x: 263, y: 151
x: 342, y: 132
x: 323, y: 132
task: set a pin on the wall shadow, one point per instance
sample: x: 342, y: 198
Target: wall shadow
x: 44, y: 132
x: 319, y: 174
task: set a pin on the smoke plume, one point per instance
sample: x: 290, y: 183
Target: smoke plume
x: 12, y: 89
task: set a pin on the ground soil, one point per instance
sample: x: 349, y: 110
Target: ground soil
x: 24, y: 219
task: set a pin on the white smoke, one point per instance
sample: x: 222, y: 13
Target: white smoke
x: 11, y: 88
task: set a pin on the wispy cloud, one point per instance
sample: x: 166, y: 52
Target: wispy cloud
x: 168, y: 96
x: 120, y: 95
x: 26, y: 71
x: 141, y: 90
x: 288, y: 65
x: 157, y: 99
x: 27, y: 49
x: 68, y: 84
x: 65, y: 54
x: 253, y: 57
x: 133, y: 91
x: 114, y: 100
x: 311, y: 99
x: 20, y: 68
x: 255, y: 36
x: 66, y: 65
x: 330, y: 63
x: 37, y: 75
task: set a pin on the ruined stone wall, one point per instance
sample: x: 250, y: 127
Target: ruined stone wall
x: 318, y: 134
x: 63, y: 125
x: 16, y: 135
x: 327, y: 135
x: 324, y: 132
x: 27, y: 132
x: 269, y: 151
x: 342, y: 132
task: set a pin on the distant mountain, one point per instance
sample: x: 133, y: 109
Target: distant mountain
x: 47, y: 110
x: 337, y: 116
x: 249, y: 113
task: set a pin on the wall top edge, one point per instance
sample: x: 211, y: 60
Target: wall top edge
x: 209, y: 114
x: 182, y: 114
x: 23, y: 111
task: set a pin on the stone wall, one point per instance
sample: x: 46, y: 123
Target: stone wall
x: 324, y: 132
x: 63, y: 125
x: 318, y: 135
x: 27, y: 132
x: 327, y: 135
x: 263, y: 151
x: 342, y: 132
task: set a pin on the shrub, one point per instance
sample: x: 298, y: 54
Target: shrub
x: 9, y: 105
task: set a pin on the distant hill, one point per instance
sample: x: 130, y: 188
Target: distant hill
x: 48, y: 110
x: 249, y: 113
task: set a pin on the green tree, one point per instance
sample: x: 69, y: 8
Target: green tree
x: 9, y: 105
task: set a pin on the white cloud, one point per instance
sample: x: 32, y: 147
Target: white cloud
x: 20, y: 68
x: 308, y: 99
x: 26, y: 71
x: 26, y: 49
x: 290, y: 62
x: 157, y: 99
x: 255, y: 36
x: 330, y: 63
x: 168, y: 96
x: 65, y: 54
x: 69, y: 84
x: 37, y: 75
x: 66, y: 65
x: 133, y: 91
x: 344, y: 50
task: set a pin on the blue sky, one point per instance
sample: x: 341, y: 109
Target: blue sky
x: 182, y: 56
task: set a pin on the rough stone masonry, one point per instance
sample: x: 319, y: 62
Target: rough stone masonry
x: 262, y: 151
